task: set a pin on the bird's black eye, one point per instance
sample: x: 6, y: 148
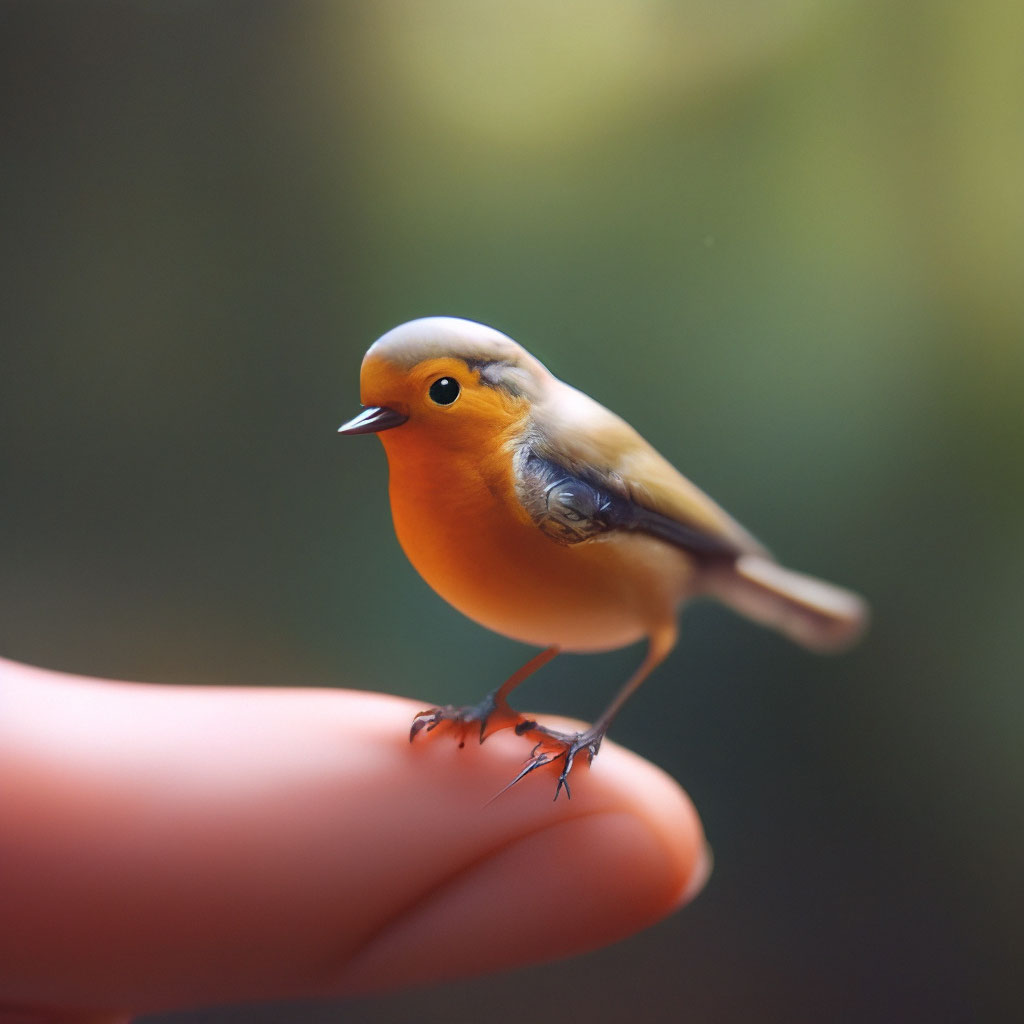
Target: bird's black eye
x: 444, y: 390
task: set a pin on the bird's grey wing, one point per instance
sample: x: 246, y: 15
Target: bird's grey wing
x: 643, y: 490
x: 570, y: 507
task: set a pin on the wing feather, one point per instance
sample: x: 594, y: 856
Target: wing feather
x: 593, y: 445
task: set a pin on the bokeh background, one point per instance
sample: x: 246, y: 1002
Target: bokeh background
x: 784, y: 238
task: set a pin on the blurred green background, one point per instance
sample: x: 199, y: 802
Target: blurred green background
x: 785, y: 239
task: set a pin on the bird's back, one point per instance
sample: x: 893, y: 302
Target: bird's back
x: 646, y: 493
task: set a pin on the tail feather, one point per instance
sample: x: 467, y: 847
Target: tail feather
x: 814, y: 613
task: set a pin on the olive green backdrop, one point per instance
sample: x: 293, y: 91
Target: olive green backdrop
x: 785, y: 239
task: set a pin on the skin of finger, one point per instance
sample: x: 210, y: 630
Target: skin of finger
x: 167, y: 846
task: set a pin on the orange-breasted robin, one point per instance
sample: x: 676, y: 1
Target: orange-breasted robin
x: 542, y: 515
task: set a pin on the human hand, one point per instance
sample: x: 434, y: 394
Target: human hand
x: 169, y: 846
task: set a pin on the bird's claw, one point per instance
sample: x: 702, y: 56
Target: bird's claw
x: 490, y: 715
x: 556, y: 746
x: 459, y: 720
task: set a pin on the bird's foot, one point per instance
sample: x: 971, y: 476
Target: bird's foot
x: 489, y: 716
x: 554, y: 746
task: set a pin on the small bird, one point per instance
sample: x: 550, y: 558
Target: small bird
x: 543, y: 516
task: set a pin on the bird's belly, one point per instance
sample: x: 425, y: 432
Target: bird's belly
x: 480, y: 555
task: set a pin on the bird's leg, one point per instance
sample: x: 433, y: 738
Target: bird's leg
x: 492, y: 713
x: 553, y: 745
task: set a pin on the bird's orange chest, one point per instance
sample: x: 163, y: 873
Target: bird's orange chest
x: 455, y: 512
x: 461, y: 525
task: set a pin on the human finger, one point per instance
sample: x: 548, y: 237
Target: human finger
x: 168, y: 846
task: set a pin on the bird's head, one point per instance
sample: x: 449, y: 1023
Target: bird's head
x: 446, y: 382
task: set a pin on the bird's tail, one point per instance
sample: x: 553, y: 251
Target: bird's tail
x: 816, y: 614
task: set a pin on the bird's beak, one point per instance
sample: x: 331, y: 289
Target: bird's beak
x: 372, y: 420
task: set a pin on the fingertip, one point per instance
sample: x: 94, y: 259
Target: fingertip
x: 667, y: 810
x: 572, y: 886
x: 699, y: 876
x: 627, y: 850
x: 622, y: 779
